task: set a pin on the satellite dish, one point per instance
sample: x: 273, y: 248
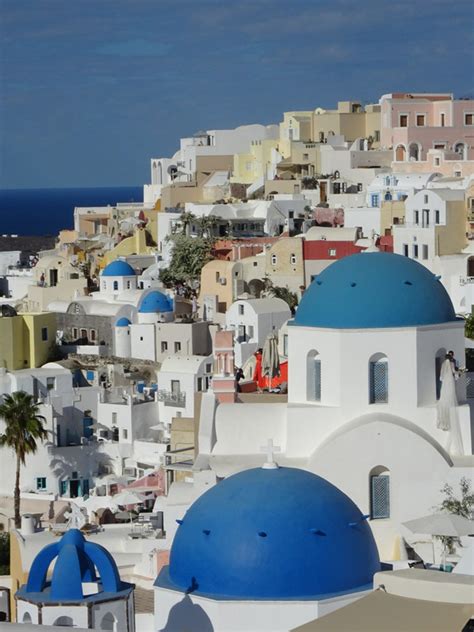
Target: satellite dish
x: 172, y: 169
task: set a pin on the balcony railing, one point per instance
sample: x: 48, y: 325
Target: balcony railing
x: 169, y: 398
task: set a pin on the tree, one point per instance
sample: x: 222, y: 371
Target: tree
x: 285, y: 294
x: 469, y: 327
x: 189, y: 255
x: 460, y: 506
x: 23, y: 428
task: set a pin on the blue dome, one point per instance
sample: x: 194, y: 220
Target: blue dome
x: 372, y: 290
x: 123, y: 322
x: 156, y: 302
x: 76, y: 562
x: 276, y: 534
x: 118, y: 268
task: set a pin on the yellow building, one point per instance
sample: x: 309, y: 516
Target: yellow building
x: 136, y: 244
x: 26, y: 340
x: 253, y: 165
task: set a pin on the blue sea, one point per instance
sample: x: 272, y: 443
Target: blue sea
x: 47, y: 211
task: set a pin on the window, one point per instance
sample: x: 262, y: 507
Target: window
x: 50, y: 383
x: 442, y: 120
x: 241, y: 309
x: 424, y: 250
x: 285, y: 345
x: 374, y: 200
x: 129, y: 285
x: 209, y: 367
x: 274, y: 260
x: 378, y: 379
x: 115, y: 285
x: 293, y: 259
x: 417, y: 217
x: 313, y: 371
x: 199, y: 384
x: 93, y: 335
x: 177, y: 347
x: 405, y: 250
x: 379, y: 493
x: 436, y: 161
x: 425, y: 198
x: 403, y: 120
x: 415, y: 251
x: 217, y: 277
x: 436, y: 217
x: 75, y: 333
x: 164, y: 347
x: 114, y: 419
x: 250, y: 331
x: 305, y: 156
x: 41, y: 482
x: 468, y: 118
x: 426, y: 218
x: 420, y: 120
x: 44, y: 334
x: 141, y: 338
x: 336, y: 188
x: 332, y: 252
x: 377, y: 135
x: 125, y: 433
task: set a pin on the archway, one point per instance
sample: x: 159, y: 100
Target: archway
x: 64, y: 621
x: 460, y: 148
x: 27, y: 618
x: 414, y: 152
x: 109, y: 622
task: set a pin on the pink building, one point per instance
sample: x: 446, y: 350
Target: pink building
x: 429, y: 132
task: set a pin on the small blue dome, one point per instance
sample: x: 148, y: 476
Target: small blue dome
x: 372, y: 290
x: 123, y: 322
x: 156, y: 302
x: 118, y: 268
x: 76, y: 562
x: 276, y: 534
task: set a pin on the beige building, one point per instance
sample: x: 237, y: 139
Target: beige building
x: 178, y: 193
x: 221, y: 283
x: 55, y: 279
x: 350, y: 120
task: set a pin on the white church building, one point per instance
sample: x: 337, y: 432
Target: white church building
x: 365, y: 351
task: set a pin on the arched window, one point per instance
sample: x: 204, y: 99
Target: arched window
x: 274, y: 260
x: 440, y: 356
x: 27, y: 618
x: 313, y: 377
x: 109, y: 622
x: 378, y: 379
x: 379, y: 481
x: 388, y: 196
x: 115, y: 285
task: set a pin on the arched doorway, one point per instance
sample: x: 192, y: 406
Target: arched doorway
x: 400, y: 153
x: 414, y: 152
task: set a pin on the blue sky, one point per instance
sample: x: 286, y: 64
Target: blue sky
x: 92, y: 89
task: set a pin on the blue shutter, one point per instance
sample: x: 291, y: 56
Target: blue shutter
x: 379, y: 382
x: 63, y: 488
x: 380, y: 497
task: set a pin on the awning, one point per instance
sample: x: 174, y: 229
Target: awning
x: 381, y: 611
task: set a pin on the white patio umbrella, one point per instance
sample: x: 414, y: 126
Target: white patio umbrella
x: 442, y: 524
x: 128, y: 498
x: 270, y: 359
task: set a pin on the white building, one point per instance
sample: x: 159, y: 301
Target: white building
x: 179, y: 378
x: 364, y: 357
x: 252, y: 321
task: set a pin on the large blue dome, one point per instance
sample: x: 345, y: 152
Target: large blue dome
x: 372, y: 290
x: 118, y: 268
x: 77, y: 561
x: 277, y: 534
x: 156, y: 302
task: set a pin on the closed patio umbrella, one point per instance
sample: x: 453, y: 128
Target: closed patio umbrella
x: 270, y: 359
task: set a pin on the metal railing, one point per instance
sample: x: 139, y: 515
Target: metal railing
x: 169, y: 398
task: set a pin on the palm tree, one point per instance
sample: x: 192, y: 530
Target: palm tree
x: 23, y: 427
